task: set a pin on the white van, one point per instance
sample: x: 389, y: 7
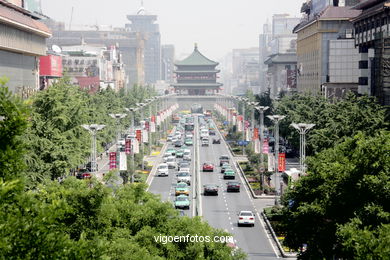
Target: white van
x: 204, y: 133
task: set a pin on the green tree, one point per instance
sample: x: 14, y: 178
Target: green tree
x: 346, y: 193
x: 12, y: 126
x: 333, y: 122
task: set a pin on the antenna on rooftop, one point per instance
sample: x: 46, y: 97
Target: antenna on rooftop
x: 71, y: 18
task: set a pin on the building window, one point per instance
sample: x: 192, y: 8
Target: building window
x: 363, y: 64
x: 363, y: 81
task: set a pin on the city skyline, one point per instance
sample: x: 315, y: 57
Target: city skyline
x: 182, y: 23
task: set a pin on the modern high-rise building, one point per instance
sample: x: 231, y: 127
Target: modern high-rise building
x: 22, y: 42
x: 145, y: 24
x: 324, y: 65
x: 264, y: 51
x: 246, y: 70
x: 167, y: 62
x: 372, y: 38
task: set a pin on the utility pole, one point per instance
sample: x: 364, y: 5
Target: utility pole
x: 276, y: 119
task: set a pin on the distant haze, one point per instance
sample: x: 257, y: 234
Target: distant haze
x: 218, y: 26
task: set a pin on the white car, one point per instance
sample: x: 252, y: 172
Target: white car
x: 246, y: 218
x: 184, y: 176
x: 162, y: 169
x: 189, y: 135
x: 171, y: 161
x: 165, y: 156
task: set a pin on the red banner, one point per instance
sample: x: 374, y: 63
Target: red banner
x: 255, y: 133
x: 282, y: 162
x: 265, y: 147
x: 128, y: 146
x: 113, y: 160
x: 153, y: 119
x: 147, y: 126
x: 138, y: 135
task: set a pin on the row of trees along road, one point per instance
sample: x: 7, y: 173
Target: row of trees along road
x: 341, y: 209
x: 43, y: 219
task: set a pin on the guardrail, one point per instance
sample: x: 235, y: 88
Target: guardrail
x: 275, y: 238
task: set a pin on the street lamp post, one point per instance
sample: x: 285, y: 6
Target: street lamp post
x: 302, y: 129
x: 244, y: 100
x: 92, y: 129
x: 118, y: 117
x: 276, y: 119
x: 261, y: 110
x: 253, y: 105
x: 141, y: 105
x: 132, y: 111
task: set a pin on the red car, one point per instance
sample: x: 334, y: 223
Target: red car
x: 208, y: 167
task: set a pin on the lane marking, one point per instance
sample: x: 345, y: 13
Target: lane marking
x: 248, y: 194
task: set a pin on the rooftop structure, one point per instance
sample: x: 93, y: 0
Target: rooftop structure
x: 196, y: 75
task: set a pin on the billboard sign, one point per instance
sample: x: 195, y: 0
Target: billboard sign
x: 50, y: 66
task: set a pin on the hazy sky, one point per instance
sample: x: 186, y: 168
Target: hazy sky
x: 218, y: 26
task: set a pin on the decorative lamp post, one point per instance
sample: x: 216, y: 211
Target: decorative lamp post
x: 302, y: 129
x: 276, y: 119
x: 261, y: 110
x: 92, y: 129
x: 118, y: 117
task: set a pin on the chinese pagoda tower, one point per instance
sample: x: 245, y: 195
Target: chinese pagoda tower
x: 196, y: 75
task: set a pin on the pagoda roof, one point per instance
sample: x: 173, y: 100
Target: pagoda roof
x: 197, y: 71
x: 196, y: 59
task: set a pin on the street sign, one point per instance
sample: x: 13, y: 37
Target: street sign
x: 243, y: 143
x: 225, y: 122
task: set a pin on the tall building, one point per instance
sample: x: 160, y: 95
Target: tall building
x: 22, y: 42
x: 316, y: 46
x: 145, y: 24
x: 372, y: 37
x: 129, y: 44
x: 246, y: 70
x: 167, y: 62
x: 264, y: 51
x: 196, y: 75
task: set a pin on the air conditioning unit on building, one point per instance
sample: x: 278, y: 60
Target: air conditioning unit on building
x: 348, y: 33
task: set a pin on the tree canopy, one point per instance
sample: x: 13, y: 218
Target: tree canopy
x: 342, y: 207
x: 333, y: 121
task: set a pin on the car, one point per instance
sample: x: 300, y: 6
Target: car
x: 229, y: 174
x: 169, y: 138
x: 178, y: 143
x: 171, y: 150
x: 246, y: 218
x: 223, y: 159
x: 189, y: 135
x: 179, y: 153
x: 225, y: 166
x: 162, y: 169
x: 184, y: 166
x: 233, y: 186
x: 208, y: 167
x: 187, y: 157
x: 182, y: 202
x: 166, y: 155
x: 184, y: 176
x: 205, y: 142
x: 182, y: 188
x: 216, y: 141
x: 211, y: 132
x: 188, y: 142
x: 171, y: 161
x: 210, y: 189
